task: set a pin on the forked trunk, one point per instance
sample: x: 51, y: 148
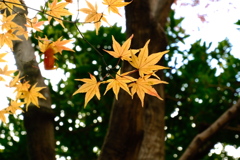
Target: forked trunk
x: 136, y: 132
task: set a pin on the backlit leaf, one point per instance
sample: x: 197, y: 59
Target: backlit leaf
x: 32, y: 96
x: 123, y: 51
x: 147, y: 64
x: 90, y: 87
x: 93, y: 15
x: 57, y: 10
x: 119, y: 82
x: 113, y: 4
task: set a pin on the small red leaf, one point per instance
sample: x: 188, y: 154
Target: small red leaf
x: 49, y: 59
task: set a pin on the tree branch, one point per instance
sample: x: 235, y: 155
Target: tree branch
x: 201, y: 138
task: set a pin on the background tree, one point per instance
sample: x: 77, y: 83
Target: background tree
x: 38, y: 122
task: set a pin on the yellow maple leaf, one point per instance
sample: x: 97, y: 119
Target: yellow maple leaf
x: 2, y: 115
x: 90, y: 87
x: 5, y: 72
x: 147, y: 64
x: 7, y: 38
x: 32, y: 95
x: 34, y: 23
x: 123, y: 51
x: 120, y: 81
x: 14, y: 105
x: 7, y: 21
x: 1, y: 56
x: 113, y: 4
x: 9, y: 4
x: 43, y: 43
x: 22, y: 31
x: 59, y: 45
x: 144, y: 85
x: 21, y: 88
x: 14, y: 82
x: 57, y: 10
x: 2, y: 6
x: 93, y: 15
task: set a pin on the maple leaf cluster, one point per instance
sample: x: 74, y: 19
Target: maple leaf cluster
x: 96, y: 17
x: 25, y: 93
x: 50, y: 48
x: 55, y: 10
x: 144, y: 64
x: 11, y: 31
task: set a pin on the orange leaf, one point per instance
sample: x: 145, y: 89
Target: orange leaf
x: 49, y: 59
x: 90, y: 87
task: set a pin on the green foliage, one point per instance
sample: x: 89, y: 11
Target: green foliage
x: 14, y: 148
x: 198, y: 93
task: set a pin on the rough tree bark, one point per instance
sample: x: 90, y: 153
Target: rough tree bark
x: 38, y: 121
x: 207, y: 134
x: 136, y: 132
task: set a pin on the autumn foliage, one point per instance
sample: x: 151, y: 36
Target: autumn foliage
x: 144, y: 64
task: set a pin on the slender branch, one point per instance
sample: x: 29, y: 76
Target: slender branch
x: 100, y: 54
x: 201, y: 138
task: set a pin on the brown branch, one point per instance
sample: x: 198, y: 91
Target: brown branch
x: 227, y: 128
x: 203, y: 137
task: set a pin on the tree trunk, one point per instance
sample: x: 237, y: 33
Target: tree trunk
x: 136, y: 132
x: 38, y: 122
